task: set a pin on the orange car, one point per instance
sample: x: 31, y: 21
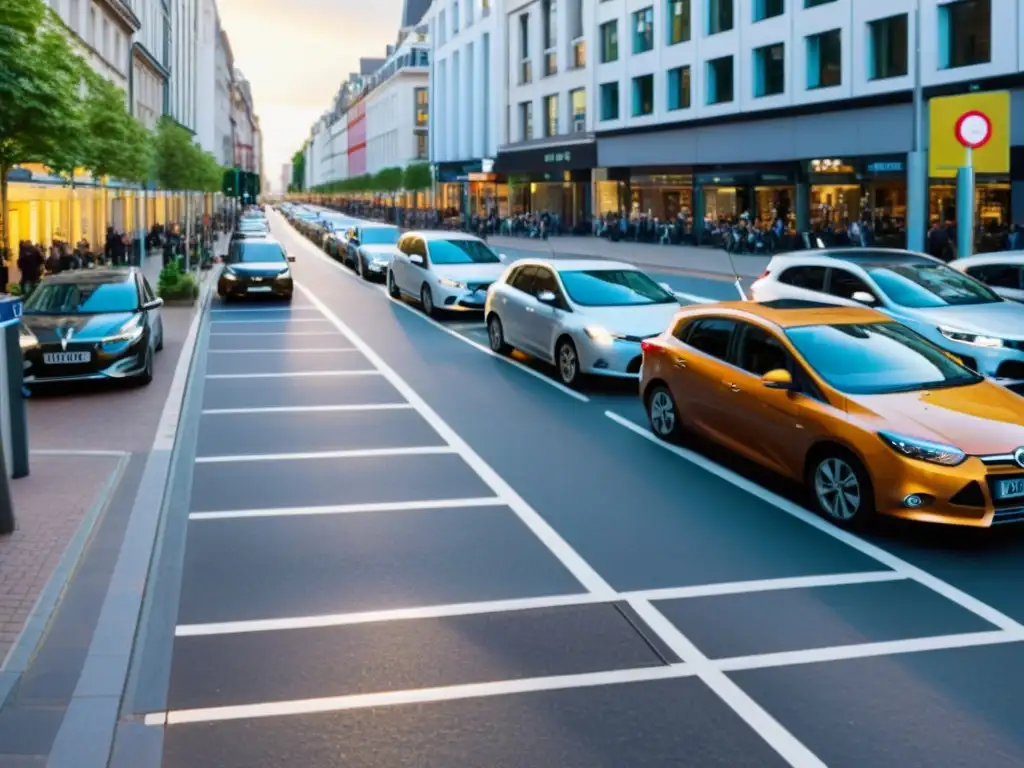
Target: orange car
x: 870, y: 416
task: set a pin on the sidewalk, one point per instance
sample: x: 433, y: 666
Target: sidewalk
x: 683, y: 259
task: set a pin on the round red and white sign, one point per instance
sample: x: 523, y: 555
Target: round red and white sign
x: 973, y: 129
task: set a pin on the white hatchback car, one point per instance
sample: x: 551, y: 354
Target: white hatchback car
x: 585, y: 316
x: 1003, y: 272
x: 443, y: 270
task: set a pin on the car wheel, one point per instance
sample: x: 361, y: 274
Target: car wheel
x: 663, y: 414
x: 496, y: 335
x: 287, y: 298
x: 160, y: 339
x: 393, y: 291
x: 146, y: 376
x: 361, y: 269
x: 840, y: 488
x: 568, y: 362
x: 427, y: 300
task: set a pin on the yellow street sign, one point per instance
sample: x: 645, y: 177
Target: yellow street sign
x: 946, y: 153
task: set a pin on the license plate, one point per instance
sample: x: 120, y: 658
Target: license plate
x: 62, y: 358
x: 1011, y: 489
x: 259, y: 289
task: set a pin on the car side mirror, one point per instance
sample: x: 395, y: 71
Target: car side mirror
x: 416, y: 259
x: 864, y: 297
x: 153, y: 304
x: 291, y: 258
x: 502, y: 257
x: 547, y: 297
x: 777, y: 379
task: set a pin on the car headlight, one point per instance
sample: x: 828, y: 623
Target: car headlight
x: 229, y: 274
x: 600, y: 335
x: 131, y: 332
x: 924, y: 450
x: 284, y: 274
x: 26, y: 339
x: 447, y: 282
x: 964, y: 337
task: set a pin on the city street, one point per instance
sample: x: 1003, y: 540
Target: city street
x: 388, y: 547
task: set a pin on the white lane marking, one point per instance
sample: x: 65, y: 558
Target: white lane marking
x: 417, y: 696
x: 525, y: 604
x: 310, y: 409
x: 901, y: 566
x: 73, y: 452
x: 290, y: 374
x: 559, y: 547
x: 454, y: 333
x: 273, y: 333
x: 268, y: 309
x: 869, y: 650
x: 362, y: 453
x: 268, y: 320
x: 766, y: 726
x: 693, y: 298
x: 283, y: 351
x: 349, y: 509
x: 480, y: 326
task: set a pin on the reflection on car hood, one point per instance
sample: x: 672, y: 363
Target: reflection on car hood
x: 477, y: 273
x: 980, y: 419
x: 639, y: 321
x: 52, y: 328
x: 1004, y: 319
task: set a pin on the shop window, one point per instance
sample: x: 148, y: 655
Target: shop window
x: 720, y: 17
x: 768, y: 9
x: 526, y: 120
x: 679, y: 88
x: 965, y: 33
x: 643, y: 30
x: 609, y: 101
x: 551, y: 115
x: 720, y: 80
x: 578, y: 102
x: 888, y: 40
x: 609, y: 41
x: 824, y: 60
x: 678, y: 21
x: 770, y: 70
x: 549, y: 12
x: 643, y: 95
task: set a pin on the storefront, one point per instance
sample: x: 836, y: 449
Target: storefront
x: 864, y: 189
x: 553, y: 179
x: 724, y: 194
x: 453, y: 184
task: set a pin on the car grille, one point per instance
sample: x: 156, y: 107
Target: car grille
x: 1009, y: 515
x: 478, y: 286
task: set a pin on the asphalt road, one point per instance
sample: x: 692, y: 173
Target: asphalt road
x: 404, y: 551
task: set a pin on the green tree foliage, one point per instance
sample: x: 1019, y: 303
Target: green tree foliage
x: 175, y: 157
x: 119, y: 145
x: 299, y: 169
x: 388, y: 180
x: 416, y: 177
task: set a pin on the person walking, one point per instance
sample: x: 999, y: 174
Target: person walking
x: 30, y: 263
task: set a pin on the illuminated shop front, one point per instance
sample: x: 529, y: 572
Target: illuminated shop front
x: 556, y: 180
x: 871, y: 189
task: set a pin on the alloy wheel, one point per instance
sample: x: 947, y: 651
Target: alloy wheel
x: 662, y: 413
x: 568, y: 365
x: 838, y: 488
x: 427, y: 300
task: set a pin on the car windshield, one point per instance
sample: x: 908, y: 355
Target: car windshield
x: 461, y: 252
x: 613, y: 288
x: 925, y: 284
x: 250, y: 251
x: 379, y: 236
x: 82, y: 298
x: 877, y: 358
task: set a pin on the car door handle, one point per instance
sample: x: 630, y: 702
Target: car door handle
x: 731, y: 386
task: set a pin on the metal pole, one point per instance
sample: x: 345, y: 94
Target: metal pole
x: 917, y: 160
x: 965, y: 207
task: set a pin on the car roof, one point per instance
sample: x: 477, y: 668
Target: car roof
x: 862, y: 257
x: 429, y: 235
x: 578, y: 265
x: 95, y: 275
x: 994, y: 257
x: 377, y: 225
x: 267, y: 239
x: 790, y: 313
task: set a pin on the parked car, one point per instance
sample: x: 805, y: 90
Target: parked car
x: 1003, y: 272
x: 445, y: 271
x: 95, y: 324
x: 586, y: 317
x: 256, y: 268
x: 370, y: 248
x: 871, y: 417
x: 953, y: 310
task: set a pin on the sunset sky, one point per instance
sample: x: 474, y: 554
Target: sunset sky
x: 296, y: 53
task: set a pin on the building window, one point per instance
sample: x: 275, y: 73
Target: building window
x: 551, y: 115
x: 469, y: 12
x: 525, y: 68
x: 643, y: 30
x: 455, y: 17
x: 888, y: 40
x: 720, y: 17
x: 609, y: 101
x: 422, y: 106
x: 719, y: 80
x: 549, y: 12
x: 679, y: 88
x: 770, y: 70
x: 442, y: 28
x: 578, y: 104
x: 965, y: 33
x: 643, y: 95
x: 578, y: 55
x: 485, y: 8
x: 526, y: 120
x: 609, y: 41
x: 816, y: 3
x: 824, y: 60
x: 678, y: 21
x: 768, y: 9
x: 421, y: 146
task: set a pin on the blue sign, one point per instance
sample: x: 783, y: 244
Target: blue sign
x: 10, y: 308
x: 892, y: 166
x: 19, y: 174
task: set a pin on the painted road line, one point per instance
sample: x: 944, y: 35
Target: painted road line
x: 349, y: 509
x: 291, y: 374
x: 416, y: 696
x: 282, y: 352
x: 368, y: 453
x: 508, y: 606
x: 273, y: 333
x: 901, y: 566
x: 267, y: 309
x: 269, y: 320
x: 75, y: 452
x: 310, y: 409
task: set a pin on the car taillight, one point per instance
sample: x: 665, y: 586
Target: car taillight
x: 763, y: 275
x: 648, y: 346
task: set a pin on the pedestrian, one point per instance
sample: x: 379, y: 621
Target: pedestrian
x: 30, y: 263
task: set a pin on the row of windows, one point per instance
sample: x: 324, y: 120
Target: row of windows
x: 457, y: 20
x: 552, y: 125
x: 965, y: 33
x: 577, y: 54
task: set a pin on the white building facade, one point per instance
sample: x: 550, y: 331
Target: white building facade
x: 208, y: 28
x: 182, y: 104
x: 151, y: 62
x: 397, y: 107
x: 223, y: 121
x: 102, y: 30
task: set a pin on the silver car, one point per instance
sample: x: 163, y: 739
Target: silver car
x: 586, y: 317
x: 1002, y: 272
x: 951, y: 309
x: 371, y: 248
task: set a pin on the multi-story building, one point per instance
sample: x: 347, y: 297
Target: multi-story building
x: 205, y: 65
x: 468, y: 95
x: 150, y: 62
x: 247, y: 149
x: 286, y: 177
x: 799, y: 109
x: 102, y: 31
x: 223, y: 121
x: 184, y: 47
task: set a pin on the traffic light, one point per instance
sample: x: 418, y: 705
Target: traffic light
x: 229, y: 185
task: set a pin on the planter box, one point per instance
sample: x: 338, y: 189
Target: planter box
x: 179, y: 302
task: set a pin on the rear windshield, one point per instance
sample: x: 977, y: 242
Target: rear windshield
x: 248, y: 251
x: 379, y: 236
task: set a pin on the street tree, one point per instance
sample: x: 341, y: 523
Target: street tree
x: 299, y: 169
x: 39, y: 90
